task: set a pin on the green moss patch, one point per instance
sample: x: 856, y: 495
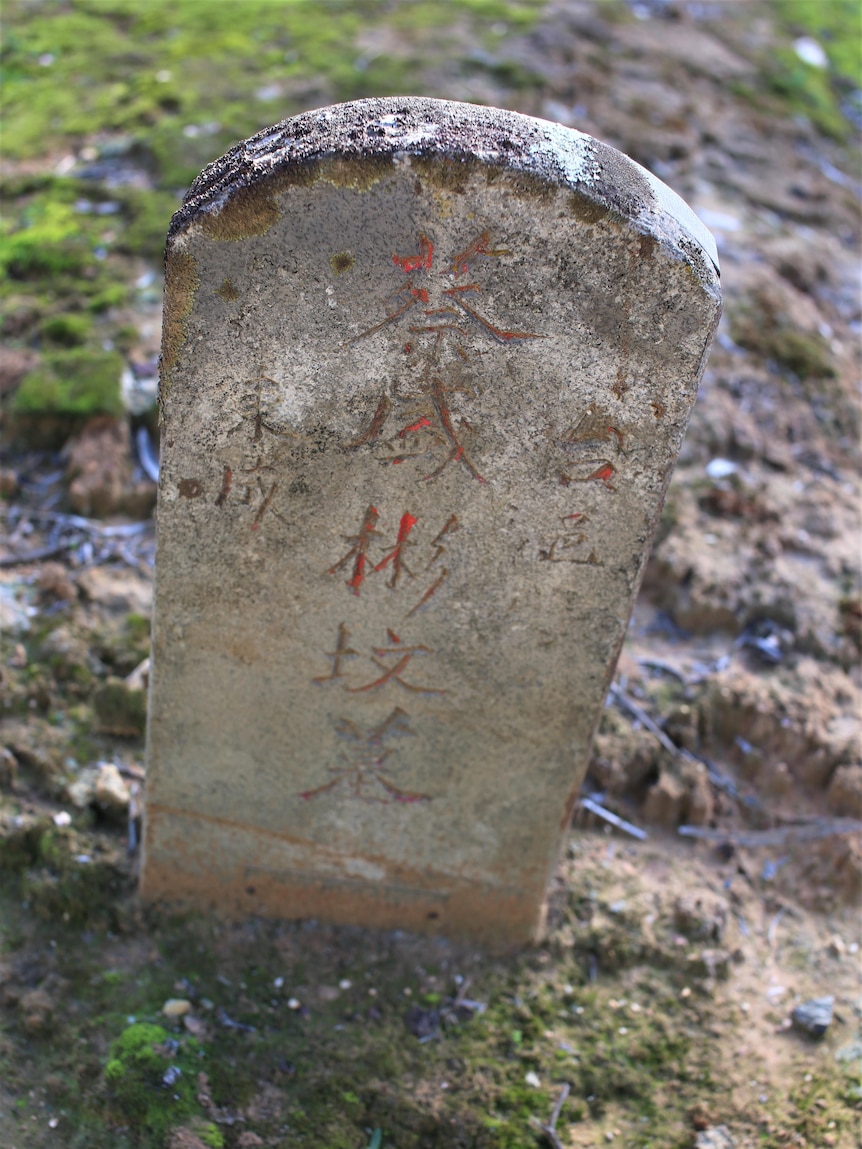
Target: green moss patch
x: 120, y: 710
x: 151, y: 1080
x: 75, y: 382
x: 817, y: 93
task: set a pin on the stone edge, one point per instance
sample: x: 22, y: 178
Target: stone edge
x: 418, y: 126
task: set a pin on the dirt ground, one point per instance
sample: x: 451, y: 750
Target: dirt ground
x: 662, y: 1001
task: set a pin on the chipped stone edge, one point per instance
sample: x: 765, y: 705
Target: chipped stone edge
x: 418, y: 126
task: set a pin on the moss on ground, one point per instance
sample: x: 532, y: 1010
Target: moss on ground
x: 79, y: 382
x: 152, y: 70
x: 347, y: 1060
x: 822, y: 95
x: 151, y: 1080
x: 322, y: 1036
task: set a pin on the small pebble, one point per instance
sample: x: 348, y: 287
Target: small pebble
x: 176, y: 1007
x: 814, y: 1016
x: 293, y: 1003
x: 532, y: 1078
x: 810, y: 52
x: 716, y: 1137
x: 837, y: 948
x: 721, y: 468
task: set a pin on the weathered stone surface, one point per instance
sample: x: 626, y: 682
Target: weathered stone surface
x: 426, y: 369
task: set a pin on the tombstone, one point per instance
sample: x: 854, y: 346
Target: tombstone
x: 426, y: 369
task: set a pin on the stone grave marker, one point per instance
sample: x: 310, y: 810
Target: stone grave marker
x: 426, y: 369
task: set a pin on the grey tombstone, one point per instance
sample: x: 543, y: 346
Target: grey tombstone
x: 425, y: 373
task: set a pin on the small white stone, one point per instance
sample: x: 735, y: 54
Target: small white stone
x: 62, y: 818
x: 294, y: 1003
x: 810, y: 52
x: 532, y: 1079
x: 721, y: 468
x: 110, y: 792
x: 345, y: 983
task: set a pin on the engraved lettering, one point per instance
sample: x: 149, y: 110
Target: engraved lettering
x: 360, y: 770
x: 399, y: 658
x: 434, y: 427
x: 341, y: 652
x: 358, y: 552
x: 396, y: 556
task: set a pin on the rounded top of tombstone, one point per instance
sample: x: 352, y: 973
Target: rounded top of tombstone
x: 394, y: 126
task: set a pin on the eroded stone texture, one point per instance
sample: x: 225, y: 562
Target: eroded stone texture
x: 426, y: 370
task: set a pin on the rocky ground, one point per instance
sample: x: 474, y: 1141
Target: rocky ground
x: 671, y: 1002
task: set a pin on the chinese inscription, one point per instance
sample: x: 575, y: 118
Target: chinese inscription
x: 420, y: 417
x: 359, y: 772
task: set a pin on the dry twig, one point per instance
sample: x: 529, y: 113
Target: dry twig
x: 780, y: 835
x: 614, y: 819
x: 550, y: 1130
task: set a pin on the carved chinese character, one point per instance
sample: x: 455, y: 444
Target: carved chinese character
x: 360, y: 771
x: 437, y: 312
x: 593, y: 447
x: 341, y: 652
x: 358, y: 553
x: 393, y: 661
x: 394, y: 560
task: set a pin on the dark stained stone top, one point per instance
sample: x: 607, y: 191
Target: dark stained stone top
x: 388, y: 127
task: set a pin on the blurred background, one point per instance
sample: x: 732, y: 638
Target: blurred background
x: 735, y: 709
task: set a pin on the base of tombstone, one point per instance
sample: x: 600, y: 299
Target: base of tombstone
x: 204, y: 863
